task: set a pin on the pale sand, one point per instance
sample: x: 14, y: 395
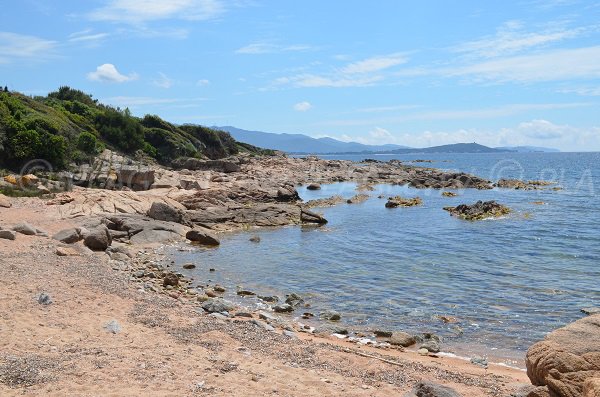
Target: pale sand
x: 165, y: 348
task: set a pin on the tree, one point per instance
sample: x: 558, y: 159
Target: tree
x: 88, y: 143
x: 5, y: 88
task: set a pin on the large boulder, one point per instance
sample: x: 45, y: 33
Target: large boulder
x: 135, y: 179
x: 567, y: 358
x: 217, y: 305
x: 202, y: 236
x: 98, y: 239
x: 164, y: 212
x: 68, y: 236
x: 307, y: 216
x: 26, y: 229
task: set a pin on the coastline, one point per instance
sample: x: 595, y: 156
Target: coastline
x: 165, y: 346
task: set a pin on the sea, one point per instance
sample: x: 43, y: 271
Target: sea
x: 489, y: 288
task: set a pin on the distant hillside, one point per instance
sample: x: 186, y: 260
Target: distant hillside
x: 298, y: 143
x: 69, y: 126
x: 454, y: 148
x: 528, y: 149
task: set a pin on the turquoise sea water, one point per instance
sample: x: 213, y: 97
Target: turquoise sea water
x: 507, y: 282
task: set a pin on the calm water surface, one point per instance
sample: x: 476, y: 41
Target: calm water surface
x: 507, y: 282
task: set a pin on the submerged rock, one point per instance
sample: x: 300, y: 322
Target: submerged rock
x: 314, y: 186
x: 398, y: 201
x: 478, y: 211
x: 449, y: 194
x: 330, y: 315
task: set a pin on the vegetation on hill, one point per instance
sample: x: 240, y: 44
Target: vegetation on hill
x: 69, y: 125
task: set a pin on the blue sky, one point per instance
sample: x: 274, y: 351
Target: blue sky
x: 421, y: 73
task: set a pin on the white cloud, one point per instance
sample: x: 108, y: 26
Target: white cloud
x: 302, y: 106
x: 375, y: 64
x: 87, y: 36
x: 310, y: 80
x: 163, y: 81
x: 202, y: 82
x: 584, y: 91
x: 270, y: 48
x: 16, y: 47
x: 565, y: 64
x: 511, y: 39
x: 108, y: 73
x: 141, y: 11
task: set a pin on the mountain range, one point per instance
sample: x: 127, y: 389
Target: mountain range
x: 303, y: 144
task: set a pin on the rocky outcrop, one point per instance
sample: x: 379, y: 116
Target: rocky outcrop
x: 69, y: 236
x: 226, y: 165
x: 162, y: 211
x: 567, y: 361
x: 518, y: 184
x: 478, y: 211
x: 202, y: 236
x: 4, y: 201
x: 398, y: 201
x: 135, y: 179
x: 307, y: 216
x: 324, y: 202
x: 136, y: 229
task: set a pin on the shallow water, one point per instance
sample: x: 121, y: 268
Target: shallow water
x: 507, y: 282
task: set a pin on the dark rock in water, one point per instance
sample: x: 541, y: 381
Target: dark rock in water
x: 511, y: 184
x: 44, y: 299
x: 429, y: 341
x: 283, y: 308
x: 113, y: 327
x: 430, y: 389
x: 255, y: 239
x: 245, y: 293
x: 269, y: 299
x: 25, y: 228
x: 307, y: 315
x: 398, y: 201
x: 98, y: 239
x: 403, y: 339
x: 219, y: 289
x: 164, y: 212
x: 590, y: 310
x: 383, y: 334
x: 189, y: 266
x: 307, y: 216
x: 567, y: 358
x: 314, y: 186
x: 171, y: 279
x: 324, y: 202
x: 68, y: 236
x: 330, y: 315
x: 478, y: 211
x: 8, y: 235
x: 449, y: 194
x: 217, y: 305
x: 202, y: 236
x: 293, y: 299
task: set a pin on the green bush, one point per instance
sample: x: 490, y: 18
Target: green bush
x: 88, y: 143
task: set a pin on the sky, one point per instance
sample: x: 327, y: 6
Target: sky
x: 524, y: 72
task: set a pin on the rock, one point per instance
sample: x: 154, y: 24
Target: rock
x: 243, y: 314
x: 423, y: 352
x: 330, y: 315
x: 164, y: 212
x: 66, y: 251
x: 245, y: 293
x: 591, y: 387
x: 255, y: 239
x: 449, y: 194
x: 8, y: 235
x: 430, y: 389
x: 4, y: 201
x: 136, y: 179
x: 480, y: 361
x: 202, y: 236
x: 113, y: 327
x: 478, y: 211
x: 290, y: 334
x: 359, y: 198
x: 590, y: 310
x: 25, y: 228
x: 566, y: 358
x: 324, y: 202
x: 189, y: 266
x: 98, y: 239
x: 531, y: 391
x: 266, y: 316
x: 43, y: 189
x: 26, y: 181
x: 225, y: 166
x: 171, y: 279
x: 307, y: 216
x: 44, y: 299
x: 68, y: 236
x: 432, y: 345
x: 403, y: 339
x: 398, y: 201
x: 283, y: 308
x: 293, y: 299
x: 383, y: 334
x: 329, y: 329
x: 268, y: 299
x: 314, y: 186
x: 118, y: 256
x: 219, y: 289
x: 217, y: 305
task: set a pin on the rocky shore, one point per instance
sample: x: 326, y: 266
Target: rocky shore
x: 104, y: 237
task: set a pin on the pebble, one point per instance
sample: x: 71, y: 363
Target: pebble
x: 283, y: 308
x: 480, y: 361
x: 423, y: 352
x: 44, y: 299
x: 113, y: 327
x: 189, y: 266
